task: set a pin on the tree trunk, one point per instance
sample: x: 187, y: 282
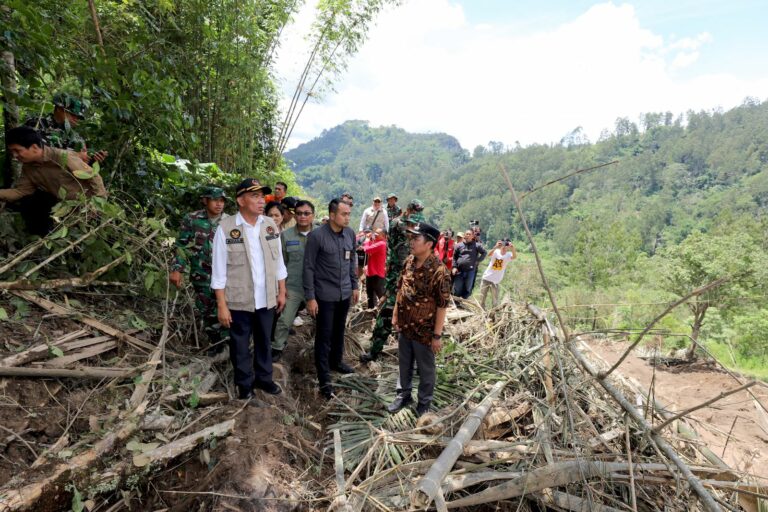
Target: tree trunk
x: 10, y: 110
x: 699, y: 311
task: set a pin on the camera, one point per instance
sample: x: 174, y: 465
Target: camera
x: 474, y: 223
x: 506, y: 242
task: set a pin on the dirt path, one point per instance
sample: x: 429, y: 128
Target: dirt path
x: 681, y: 388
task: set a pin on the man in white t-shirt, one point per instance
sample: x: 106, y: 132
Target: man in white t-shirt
x: 503, y: 253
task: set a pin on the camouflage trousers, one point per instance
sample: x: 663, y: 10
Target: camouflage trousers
x: 382, y: 329
x: 205, y: 304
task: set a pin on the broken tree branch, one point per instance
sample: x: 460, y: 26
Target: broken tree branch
x: 81, y: 373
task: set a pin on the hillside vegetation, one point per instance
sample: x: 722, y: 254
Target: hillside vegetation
x: 684, y: 205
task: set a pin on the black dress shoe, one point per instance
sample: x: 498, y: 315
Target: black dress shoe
x: 368, y: 357
x: 326, y: 391
x: 268, y: 387
x: 276, y: 355
x: 244, y: 394
x: 422, y: 409
x: 343, y: 368
x: 400, y: 402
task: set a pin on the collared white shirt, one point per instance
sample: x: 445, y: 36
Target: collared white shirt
x: 258, y: 268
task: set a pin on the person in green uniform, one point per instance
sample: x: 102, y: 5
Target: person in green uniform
x: 397, y: 252
x: 393, y: 211
x: 194, y: 246
x: 57, y: 128
x: 294, y: 241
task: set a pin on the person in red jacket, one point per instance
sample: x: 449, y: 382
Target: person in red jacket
x: 444, y: 248
x: 376, y: 270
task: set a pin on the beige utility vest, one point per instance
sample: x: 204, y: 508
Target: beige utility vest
x: 239, y: 290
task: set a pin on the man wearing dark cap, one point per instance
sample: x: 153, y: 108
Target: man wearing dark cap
x: 193, y: 253
x: 393, y: 211
x: 330, y: 287
x: 422, y: 301
x: 397, y: 252
x: 289, y: 206
x: 58, y: 128
x: 249, y: 282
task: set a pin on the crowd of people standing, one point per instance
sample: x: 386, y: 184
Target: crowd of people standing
x: 253, y: 271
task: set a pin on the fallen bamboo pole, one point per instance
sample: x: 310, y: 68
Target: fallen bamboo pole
x: 92, y: 322
x: 41, y: 350
x: 72, y: 373
x: 707, y: 500
x: 429, y: 486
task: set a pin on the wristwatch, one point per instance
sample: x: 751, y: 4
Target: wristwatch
x: 436, y: 336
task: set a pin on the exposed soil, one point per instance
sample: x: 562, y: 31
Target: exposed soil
x: 732, y: 427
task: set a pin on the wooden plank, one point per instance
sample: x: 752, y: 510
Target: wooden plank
x: 40, y: 350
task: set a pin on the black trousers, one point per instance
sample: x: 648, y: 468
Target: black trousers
x: 329, y: 337
x: 374, y: 288
x: 250, y: 367
x: 36, y: 209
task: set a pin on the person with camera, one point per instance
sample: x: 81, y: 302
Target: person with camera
x: 466, y: 256
x: 503, y: 253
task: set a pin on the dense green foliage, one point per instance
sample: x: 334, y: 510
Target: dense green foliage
x: 687, y: 196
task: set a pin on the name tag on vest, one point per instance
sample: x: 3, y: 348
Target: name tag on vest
x: 271, y: 237
x: 235, y: 241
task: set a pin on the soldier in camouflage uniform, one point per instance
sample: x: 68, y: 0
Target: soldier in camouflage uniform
x: 58, y: 128
x: 397, y: 252
x: 393, y: 211
x: 194, y: 249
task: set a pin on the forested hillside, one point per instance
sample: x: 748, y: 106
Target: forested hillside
x: 618, y: 234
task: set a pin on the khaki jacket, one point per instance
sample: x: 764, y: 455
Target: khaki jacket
x: 52, y: 174
x: 239, y: 290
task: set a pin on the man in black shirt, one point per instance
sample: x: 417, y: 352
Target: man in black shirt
x: 466, y: 256
x: 330, y: 286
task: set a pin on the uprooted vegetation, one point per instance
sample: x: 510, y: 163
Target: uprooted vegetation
x: 108, y: 402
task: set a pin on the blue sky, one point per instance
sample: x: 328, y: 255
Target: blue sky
x: 532, y: 71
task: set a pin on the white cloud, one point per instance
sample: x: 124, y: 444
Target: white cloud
x: 427, y: 69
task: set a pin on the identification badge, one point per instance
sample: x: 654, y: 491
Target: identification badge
x: 271, y: 237
x: 347, y: 254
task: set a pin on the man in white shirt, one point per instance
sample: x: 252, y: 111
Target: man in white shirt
x: 374, y: 217
x: 503, y: 253
x: 248, y: 279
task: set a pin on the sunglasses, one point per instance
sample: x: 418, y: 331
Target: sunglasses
x: 303, y: 214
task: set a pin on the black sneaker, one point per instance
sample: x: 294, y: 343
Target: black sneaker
x: 268, y: 387
x: 326, y: 391
x: 421, y: 410
x: 276, y: 355
x: 400, y: 402
x: 368, y: 357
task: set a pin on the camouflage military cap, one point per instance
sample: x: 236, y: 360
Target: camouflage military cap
x: 391, y: 195
x: 415, y: 218
x: 71, y: 104
x: 416, y: 205
x: 213, y: 193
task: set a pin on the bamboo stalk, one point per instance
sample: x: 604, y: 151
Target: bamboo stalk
x: 39, y: 351
x: 707, y: 500
x: 80, y: 373
x: 429, y: 486
x: 92, y: 322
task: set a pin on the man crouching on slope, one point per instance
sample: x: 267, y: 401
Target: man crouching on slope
x: 248, y: 279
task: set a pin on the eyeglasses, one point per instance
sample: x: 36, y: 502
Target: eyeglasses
x: 303, y: 214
